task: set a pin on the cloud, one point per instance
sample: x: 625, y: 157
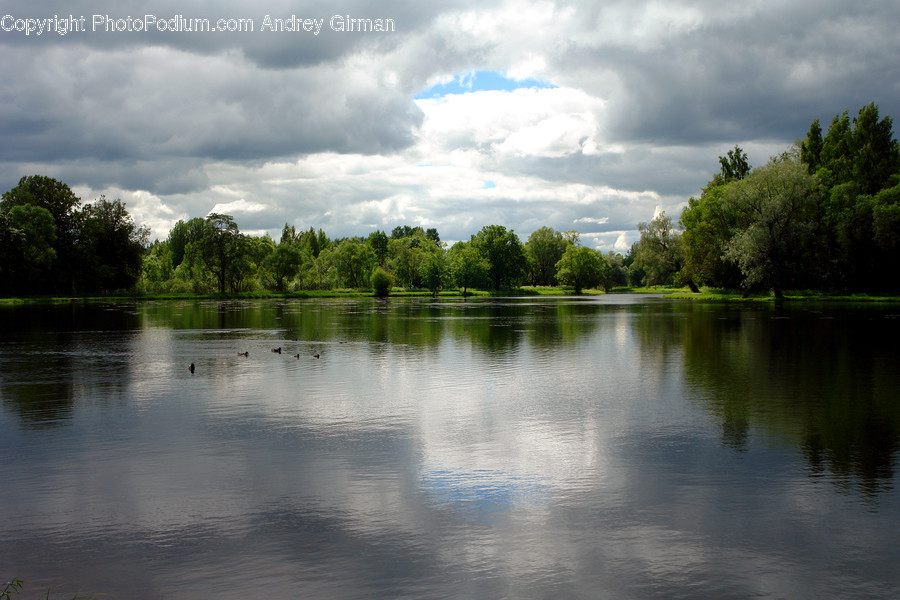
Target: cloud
x: 599, y: 221
x: 576, y: 110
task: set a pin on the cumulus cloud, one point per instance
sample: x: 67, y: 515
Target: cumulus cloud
x: 327, y: 131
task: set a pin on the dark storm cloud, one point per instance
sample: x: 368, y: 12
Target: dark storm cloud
x: 198, y: 119
x: 748, y: 73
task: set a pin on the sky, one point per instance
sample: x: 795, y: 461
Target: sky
x: 590, y: 116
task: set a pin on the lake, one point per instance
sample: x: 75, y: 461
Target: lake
x: 618, y: 446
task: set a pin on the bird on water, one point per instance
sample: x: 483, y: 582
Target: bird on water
x: 191, y: 368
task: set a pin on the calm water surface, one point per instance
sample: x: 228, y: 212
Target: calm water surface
x: 612, y: 447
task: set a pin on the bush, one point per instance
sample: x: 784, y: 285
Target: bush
x: 381, y: 282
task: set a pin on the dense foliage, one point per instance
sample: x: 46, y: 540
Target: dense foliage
x: 204, y: 255
x: 51, y: 244
x: 824, y: 215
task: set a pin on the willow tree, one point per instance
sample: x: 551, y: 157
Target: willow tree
x: 775, y: 207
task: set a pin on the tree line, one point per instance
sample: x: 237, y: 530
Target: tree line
x: 52, y: 244
x: 210, y: 254
x: 823, y: 215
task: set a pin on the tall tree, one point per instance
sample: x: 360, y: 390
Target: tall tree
x: 582, y: 267
x: 31, y: 256
x: 876, y: 155
x: 354, y: 261
x: 774, y: 204
x: 734, y: 165
x: 503, y: 253
x: 660, y: 252
x: 379, y: 242
x: 63, y: 205
x: 221, y: 247
x: 811, y: 148
x: 467, y: 267
x: 545, y: 246
x: 111, y: 246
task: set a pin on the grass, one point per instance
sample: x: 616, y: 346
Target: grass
x: 707, y: 294
x: 724, y: 295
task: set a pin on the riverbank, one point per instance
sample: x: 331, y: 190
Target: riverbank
x: 719, y: 295
x: 303, y: 294
x: 671, y: 293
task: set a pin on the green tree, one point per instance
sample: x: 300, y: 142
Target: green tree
x: 618, y: 274
x: 111, y: 246
x: 381, y: 282
x: 379, y: 242
x: 435, y: 272
x: 32, y: 257
x: 775, y: 206
x: 734, y: 165
x: 660, y: 252
x: 503, y: 253
x: 354, y: 261
x: 221, y: 247
x: 707, y: 228
x: 811, y: 148
x: 876, y: 155
x: 63, y: 205
x: 582, y: 267
x: 544, y: 248
x: 283, y: 264
x: 467, y: 267
x: 157, y: 269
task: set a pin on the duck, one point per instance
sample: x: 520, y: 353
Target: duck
x: 296, y: 356
x: 191, y: 368
x: 316, y: 355
x: 277, y: 350
x: 243, y: 354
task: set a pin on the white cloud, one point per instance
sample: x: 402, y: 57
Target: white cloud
x: 238, y: 207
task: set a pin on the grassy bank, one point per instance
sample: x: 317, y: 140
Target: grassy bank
x: 303, y: 294
x: 720, y: 295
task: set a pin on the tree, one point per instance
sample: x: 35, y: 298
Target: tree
x: 545, y: 247
x: 48, y: 193
x: 503, y: 253
x: 774, y: 206
x: 379, y: 242
x: 30, y: 255
x: 582, y: 267
x: 11, y: 242
x: 63, y: 205
x: 283, y: 263
x: 111, y: 246
x: 381, y: 282
x: 876, y: 155
x: 660, y: 253
x: 618, y: 274
x: 354, y: 261
x: 707, y: 228
x: 467, y: 267
x: 221, y: 247
x: 811, y: 148
x: 734, y: 166
x: 435, y: 272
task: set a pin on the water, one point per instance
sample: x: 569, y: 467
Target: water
x: 611, y: 447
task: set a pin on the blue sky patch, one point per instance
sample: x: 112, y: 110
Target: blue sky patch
x: 488, y: 184
x: 480, y: 81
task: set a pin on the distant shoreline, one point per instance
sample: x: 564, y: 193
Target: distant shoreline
x: 669, y: 293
